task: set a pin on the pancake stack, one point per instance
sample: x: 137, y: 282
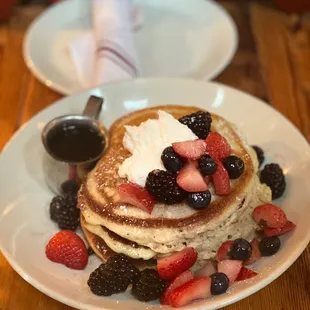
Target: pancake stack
x: 114, y: 227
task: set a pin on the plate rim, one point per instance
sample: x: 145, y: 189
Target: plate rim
x: 65, y: 91
x: 291, y: 258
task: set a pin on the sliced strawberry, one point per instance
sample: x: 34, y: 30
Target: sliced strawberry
x: 231, y: 268
x: 190, y: 179
x: 136, y: 196
x: 221, y: 180
x: 67, y: 248
x: 246, y: 273
x: 217, y: 146
x: 255, y: 255
x: 224, y: 249
x: 171, y: 266
x: 190, y: 291
x: 269, y: 232
x: 178, y: 281
x: 207, y: 269
x: 192, y: 149
x: 269, y: 215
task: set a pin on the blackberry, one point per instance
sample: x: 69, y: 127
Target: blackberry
x: 199, y: 123
x: 149, y: 287
x: 171, y: 160
x: 272, y: 175
x: 234, y: 166
x: 163, y: 186
x: 106, y: 282
x: 69, y: 187
x: 260, y: 154
x: 199, y: 200
x: 121, y: 263
x: 207, y: 165
x: 64, y: 211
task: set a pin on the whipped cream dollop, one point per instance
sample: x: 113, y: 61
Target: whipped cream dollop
x: 146, y: 143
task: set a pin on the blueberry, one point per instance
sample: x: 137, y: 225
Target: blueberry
x: 171, y: 160
x: 269, y: 246
x: 234, y: 166
x: 207, y: 165
x: 199, y: 200
x: 219, y: 283
x: 259, y: 153
x: 241, y: 250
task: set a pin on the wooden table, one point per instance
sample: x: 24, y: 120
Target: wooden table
x: 272, y: 63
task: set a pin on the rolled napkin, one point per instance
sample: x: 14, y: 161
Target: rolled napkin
x: 107, y: 52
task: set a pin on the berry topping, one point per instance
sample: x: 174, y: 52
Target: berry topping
x: 70, y: 187
x: 241, y: 250
x: 137, y: 196
x: 67, y: 248
x: 106, y: 282
x: 199, y: 123
x: 163, y: 187
x: 259, y: 153
x: 231, y: 268
x: 219, y: 283
x: 269, y: 215
x: 191, y: 180
x: 90, y: 251
x: 177, y: 282
x: 255, y: 255
x: 217, y: 146
x: 121, y: 263
x: 234, y: 166
x: 268, y: 232
x: 171, y: 266
x: 199, y: 200
x: 64, y: 211
x: 190, y: 291
x: 269, y: 246
x: 246, y: 273
x: 192, y: 149
x: 207, y: 165
x: 207, y: 269
x: 221, y: 180
x: 149, y: 286
x: 224, y: 249
x: 171, y: 160
x: 272, y: 175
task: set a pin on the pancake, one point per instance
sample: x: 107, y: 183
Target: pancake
x: 174, y: 227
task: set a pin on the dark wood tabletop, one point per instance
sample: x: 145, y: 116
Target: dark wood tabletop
x: 272, y: 63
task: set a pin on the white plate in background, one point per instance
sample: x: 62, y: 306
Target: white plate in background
x: 195, y: 38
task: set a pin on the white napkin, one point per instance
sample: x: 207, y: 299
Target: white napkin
x: 107, y: 53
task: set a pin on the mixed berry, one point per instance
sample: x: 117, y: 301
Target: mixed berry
x: 191, y: 166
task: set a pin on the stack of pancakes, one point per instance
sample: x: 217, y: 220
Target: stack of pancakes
x: 114, y: 227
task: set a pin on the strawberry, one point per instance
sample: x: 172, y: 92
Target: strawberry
x: 190, y: 179
x: 221, y: 180
x: 191, y: 150
x: 255, y: 255
x: 269, y: 215
x: 231, y: 268
x: 171, y: 266
x: 208, y: 268
x: 217, y: 146
x: 67, y: 248
x: 190, y: 291
x: 246, y: 273
x: 224, y: 249
x: 178, y: 281
x: 137, y: 196
x: 268, y: 232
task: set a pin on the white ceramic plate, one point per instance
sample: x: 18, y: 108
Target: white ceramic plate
x: 25, y: 227
x: 194, y: 38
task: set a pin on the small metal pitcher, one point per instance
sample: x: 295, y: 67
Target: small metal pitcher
x: 62, y: 175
